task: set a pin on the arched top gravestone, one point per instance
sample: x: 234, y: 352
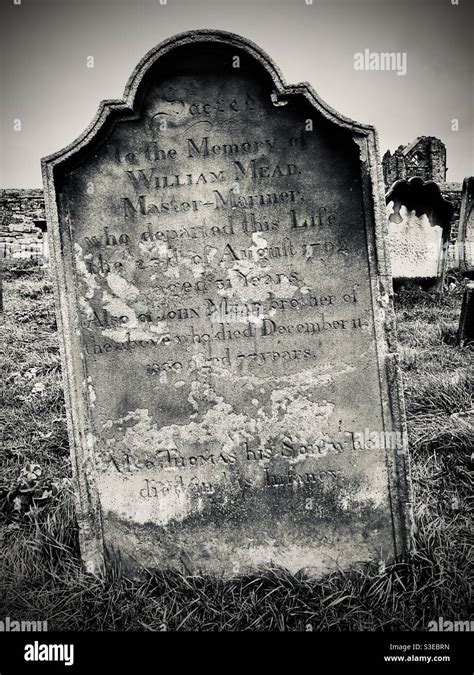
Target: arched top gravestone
x: 226, y: 325
x: 419, y: 228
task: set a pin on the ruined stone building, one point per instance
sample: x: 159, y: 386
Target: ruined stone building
x: 424, y: 157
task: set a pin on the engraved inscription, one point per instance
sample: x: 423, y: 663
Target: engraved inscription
x: 225, y: 302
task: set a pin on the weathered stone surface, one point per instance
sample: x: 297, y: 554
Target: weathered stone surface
x: 418, y: 230
x: 425, y: 157
x: 466, y: 320
x: 466, y: 227
x: 228, y: 333
x: 22, y: 220
x: 452, y: 193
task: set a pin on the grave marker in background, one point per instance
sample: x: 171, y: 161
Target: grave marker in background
x: 227, y: 331
x: 466, y: 228
x: 466, y: 319
x: 419, y: 225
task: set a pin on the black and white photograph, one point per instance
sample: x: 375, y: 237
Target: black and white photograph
x: 236, y: 331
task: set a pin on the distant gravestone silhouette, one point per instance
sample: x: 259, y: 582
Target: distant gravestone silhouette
x: 466, y: 228
x: 466, y: 320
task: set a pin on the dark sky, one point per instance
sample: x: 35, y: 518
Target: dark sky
x: 46, y: 84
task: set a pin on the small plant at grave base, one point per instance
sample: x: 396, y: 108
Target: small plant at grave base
x: 31, y: 491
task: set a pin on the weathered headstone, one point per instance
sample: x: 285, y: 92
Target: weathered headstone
x: 227, y: 332
x: 466, y: 319
x: 419, y: 225
x: 42, y: 225
x: 466, y: 228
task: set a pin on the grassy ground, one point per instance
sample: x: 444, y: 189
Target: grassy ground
x: 40, y: 572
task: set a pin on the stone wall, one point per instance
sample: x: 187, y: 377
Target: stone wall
x: 22, y: 222
x: 22, y: 206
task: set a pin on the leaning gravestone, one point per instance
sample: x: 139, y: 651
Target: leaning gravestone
x: 466, y: 320
x: 227, y: 332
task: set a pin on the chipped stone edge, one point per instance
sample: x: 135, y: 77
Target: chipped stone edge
x: 466, y: 264
x: 88, y: 511
x: 391, y: 383
x: 73, y: 371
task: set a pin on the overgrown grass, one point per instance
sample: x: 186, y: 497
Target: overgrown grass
x: 40, y: 572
